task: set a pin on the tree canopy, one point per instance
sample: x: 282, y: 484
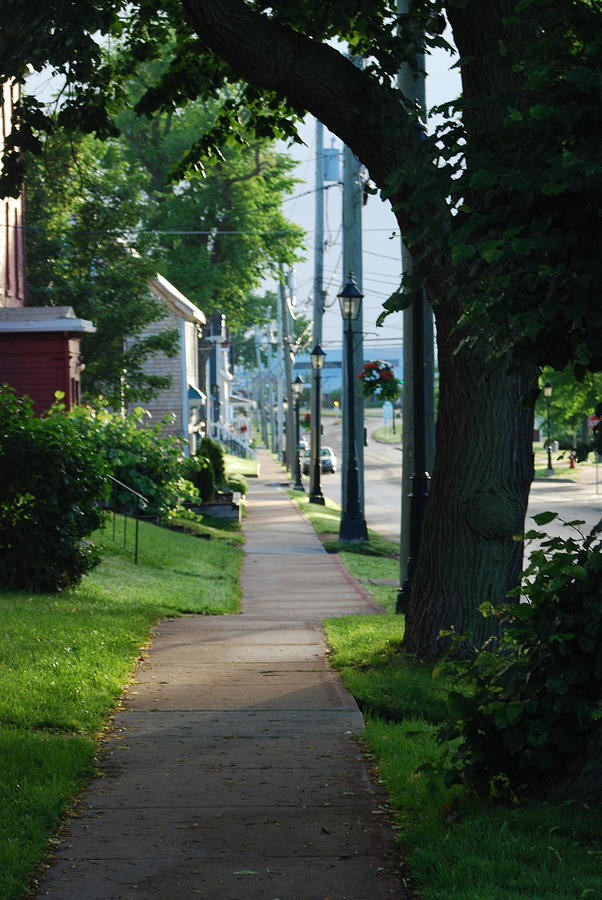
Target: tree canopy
x: 86, y: 249
x: 105, y: 215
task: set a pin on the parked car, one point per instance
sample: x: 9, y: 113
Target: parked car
x: 328, y: 460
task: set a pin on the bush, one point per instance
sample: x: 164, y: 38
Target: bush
x: 51, y: 495
x: 199, y: 471
x: 530, y: 708
x: 212, y: 451
x: 237, y: 482
x: 138, y: 456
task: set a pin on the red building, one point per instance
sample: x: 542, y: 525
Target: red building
x: 39, y: 345
x: 39, y: 353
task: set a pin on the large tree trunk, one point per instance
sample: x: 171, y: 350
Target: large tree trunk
x: 478, y: 499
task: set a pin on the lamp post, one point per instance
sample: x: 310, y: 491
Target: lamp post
x: 547, y: 392
x: 297, y: 387
x: 317, y: 364
x: 420, y: 478
x: 353, y: 524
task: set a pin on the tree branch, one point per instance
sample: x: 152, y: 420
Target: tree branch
x: 365, y: 113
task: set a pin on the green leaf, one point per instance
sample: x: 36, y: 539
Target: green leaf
x: 459, y: 705
x: 544, y: 517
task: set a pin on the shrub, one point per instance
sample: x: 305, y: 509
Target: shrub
x: 530, y: 708
x: 237, y: 482
x: 138, y: 456
x: 199, y: 471
x: 51, y: 494
x: 212, y: 451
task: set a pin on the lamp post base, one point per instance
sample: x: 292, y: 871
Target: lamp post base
x: 353, y: 530
x: 317, y: 498
x: 403, y: 598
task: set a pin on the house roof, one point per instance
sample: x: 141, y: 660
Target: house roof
x: 180, y: 304
x: 22, y: 319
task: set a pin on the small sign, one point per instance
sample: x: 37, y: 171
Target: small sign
x: 593, y: 420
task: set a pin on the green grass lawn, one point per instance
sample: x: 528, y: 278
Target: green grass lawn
x: 64, y: 660
x: 236, y: 465
x: 456, y: 845
x: 386, y: 435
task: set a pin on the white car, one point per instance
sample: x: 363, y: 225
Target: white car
x: 327, y: 458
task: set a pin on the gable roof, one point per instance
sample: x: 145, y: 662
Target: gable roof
x: 181, y: 305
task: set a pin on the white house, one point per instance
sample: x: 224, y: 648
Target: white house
x: 184, y: 400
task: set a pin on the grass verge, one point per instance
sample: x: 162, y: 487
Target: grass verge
x: 235, y: 465
x: 65, y: 658
x: 456, y: 845
x: 386, y: 435
x: 378, y: 560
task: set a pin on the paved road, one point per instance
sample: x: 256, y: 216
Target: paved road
x: 571, y: 499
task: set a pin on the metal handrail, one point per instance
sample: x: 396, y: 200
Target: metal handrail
x: 128, y: 488
x: 142, y: 503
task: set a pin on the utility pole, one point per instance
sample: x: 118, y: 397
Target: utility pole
x: 412, y: 85
x: 280, y: 394
x: 260, y: 391
x: 287, y: 372
x: 352, y: 263
x: 318, y: 307
x: 273, y: 411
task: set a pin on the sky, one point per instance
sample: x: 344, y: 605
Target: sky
x: 380, y: 233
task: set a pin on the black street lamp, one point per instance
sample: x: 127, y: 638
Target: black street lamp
x: 547, y: 392
x: 420, y: 479
x: 353, y: 524
x: 317, y: 364
x: 297, y: 386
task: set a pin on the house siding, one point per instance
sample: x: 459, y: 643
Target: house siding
x: 12, y: 238
x: 182, y: 369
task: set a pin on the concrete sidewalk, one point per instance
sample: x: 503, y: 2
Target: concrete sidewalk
x: 232, y: 772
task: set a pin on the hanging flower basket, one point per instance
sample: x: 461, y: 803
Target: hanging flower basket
x: 378, y: 381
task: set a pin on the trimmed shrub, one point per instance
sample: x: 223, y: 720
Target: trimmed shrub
x: 212, y: 451
x: 199, y: 471
x: 51, y: 496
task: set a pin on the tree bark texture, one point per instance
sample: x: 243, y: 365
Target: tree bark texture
x: 478, y: 498
x: 484, y: 465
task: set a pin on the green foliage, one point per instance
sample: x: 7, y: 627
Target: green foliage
x: 221, y: 229
x: 213, y: 451
x: 199, y: 471
x: 533, y: 168
x: 138, y: 456
x: 86, y: 249
x: 237, y: 482
x: 529, y: 706
x: 51, y: 494
x: 572, y: 400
